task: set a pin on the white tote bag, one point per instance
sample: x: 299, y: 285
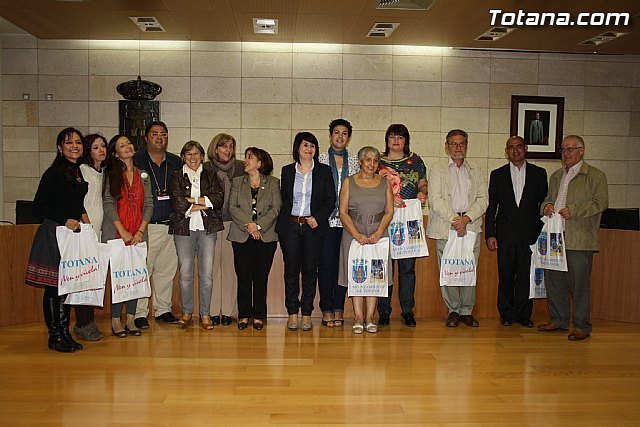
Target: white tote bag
x: 406, y: 231
x: 94, y: 296
x: 129, y: 274
x: 549, y: 249
x: 368, y: 269
x: 537, y: 287
x: 458, y: 263
x: 80, y: 267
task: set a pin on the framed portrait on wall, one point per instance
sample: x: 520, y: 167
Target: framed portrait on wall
x: 539, y: 120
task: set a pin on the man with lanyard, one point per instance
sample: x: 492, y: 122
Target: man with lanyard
x: 458, y: 198
x: 162, y: 259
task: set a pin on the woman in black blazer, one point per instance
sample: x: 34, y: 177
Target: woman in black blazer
x: 308, y: 198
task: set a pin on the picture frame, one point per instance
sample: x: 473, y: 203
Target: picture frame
x: 539, y: 120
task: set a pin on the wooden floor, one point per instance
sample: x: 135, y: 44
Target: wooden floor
x: 430, y: 375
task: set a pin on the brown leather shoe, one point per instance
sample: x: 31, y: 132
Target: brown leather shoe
x: 452, y: 320
x: 578, y: 335
x: 469, y: 320
x: 550, y: 327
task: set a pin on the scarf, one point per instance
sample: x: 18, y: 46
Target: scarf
x: 224, y: 171
x: 334, y: 171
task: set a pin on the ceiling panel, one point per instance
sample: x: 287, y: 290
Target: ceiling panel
x: 453, y: 23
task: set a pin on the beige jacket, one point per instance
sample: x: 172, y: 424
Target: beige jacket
x: 440, y: 211
x: 587, y: 197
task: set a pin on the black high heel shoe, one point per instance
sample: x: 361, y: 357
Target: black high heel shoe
x: 132, y: 332
x: 119, y: 334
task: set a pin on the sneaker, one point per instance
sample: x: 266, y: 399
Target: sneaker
x: 167, y: 317
x: 88, y: 332
x: 141, y: 323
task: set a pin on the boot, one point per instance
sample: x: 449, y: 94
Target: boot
x: 65, y: 318
x: 51, y: 309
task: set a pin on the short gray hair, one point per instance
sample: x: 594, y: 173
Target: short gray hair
x: 362, y: 153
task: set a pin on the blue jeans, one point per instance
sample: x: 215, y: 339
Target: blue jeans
x: 201, y: 245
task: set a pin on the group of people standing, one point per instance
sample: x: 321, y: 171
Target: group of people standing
x: 229, y: 215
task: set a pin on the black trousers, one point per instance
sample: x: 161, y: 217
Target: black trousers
x: 300, y: 250
x: 332, y: 295
x: 407, y: 288
x: 84, y: 315
x: 252, y: 261
x: 514, y: 262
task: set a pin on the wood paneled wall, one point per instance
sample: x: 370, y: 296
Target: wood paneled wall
x: 615, y: 287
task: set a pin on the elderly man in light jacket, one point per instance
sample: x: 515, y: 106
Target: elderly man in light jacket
x: 458, y: 198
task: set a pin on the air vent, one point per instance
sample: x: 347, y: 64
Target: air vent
x: 495, y: 33
x: 405, y: 4
x: 265, y: 26
x: 383, y: 29
x: 603, y: 38
x: 147, y: 24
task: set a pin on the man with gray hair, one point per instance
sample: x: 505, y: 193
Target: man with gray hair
x: 458, y: 198
x: 578, y: 192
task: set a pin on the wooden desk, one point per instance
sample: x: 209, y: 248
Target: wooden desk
x: 615, y: 283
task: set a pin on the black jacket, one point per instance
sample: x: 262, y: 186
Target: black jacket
x: 323, y: 197
x: 180, y: 187
x: 507, y: 221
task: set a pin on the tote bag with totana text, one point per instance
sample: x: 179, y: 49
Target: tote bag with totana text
x: 368, y: 269
x: 458, y: 263
x: 80, y: 265
x: 406, y: 231
x: 549, y: 251
x: 129, y: 274
x: 93, y: 297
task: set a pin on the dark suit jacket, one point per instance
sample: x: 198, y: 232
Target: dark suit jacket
x: 507, y: 221
x: 323, y: 197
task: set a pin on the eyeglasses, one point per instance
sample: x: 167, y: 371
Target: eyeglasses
x: 160, y: 134
x: 569, y: 149
x: 457, y: 144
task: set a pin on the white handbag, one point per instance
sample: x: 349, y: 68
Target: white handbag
x: 549, y: 251
x: 368, y: 269
x: 458, y: 263
x: 129, y: 274
x: 406, y: 231
x: 80, y: 266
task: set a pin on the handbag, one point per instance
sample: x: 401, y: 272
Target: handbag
x: 80, y: 266
x: 537, y: 287
x: 549, y: 251
x: 368, y: 269
x: 129, y: 274
x: 406, y: 231
x: 458, y: 262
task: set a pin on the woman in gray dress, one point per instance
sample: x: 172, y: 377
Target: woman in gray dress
x: 366, y: 209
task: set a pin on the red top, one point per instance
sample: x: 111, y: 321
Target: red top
x: 131, y: 203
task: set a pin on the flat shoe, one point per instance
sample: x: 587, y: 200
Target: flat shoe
x: 550, y: 327
x: 338, y: 323
x: 329, y: 323
x: 578, y: 335
x: 243, y: 325
x: 258, y: 325
x: 226, y: 320
x: 306, y: 326
x: 357, y: 327
x: 215, y: 320
x: 371, y: 327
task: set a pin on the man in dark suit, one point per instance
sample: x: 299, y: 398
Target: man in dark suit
x: 513, y: 223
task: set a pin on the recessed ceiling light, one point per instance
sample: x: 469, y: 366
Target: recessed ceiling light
x: 265, y: 26
x: 603, y: 38
x: 147, y: 24
x: 494, y: 34
x: 382, y: 29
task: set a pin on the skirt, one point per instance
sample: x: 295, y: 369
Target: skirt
x: 44, y: 259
